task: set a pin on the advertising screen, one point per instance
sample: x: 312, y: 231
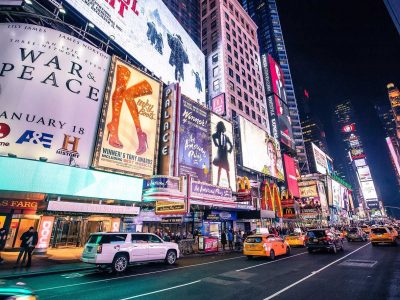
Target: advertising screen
x: 319, y: 159
x: 336, y: 197
x: 291, y: 175
x: 218, y: 104
x: 368, y: 190
x: 128, y: 133
x: 194, y: 142
x: 364, y: 173
x: 329, y: 191
x: 149, y: 32
x: 308, y: 191
x: 50, y: 98
x: 260, y: 152
x: 360, y: 162
x: 280, y: 101
x: 329, y: 163
x: 395, y: 156
x: 322, y: 196
x: 222, y: 150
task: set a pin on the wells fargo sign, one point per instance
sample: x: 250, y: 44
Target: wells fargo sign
x: 19, y: 204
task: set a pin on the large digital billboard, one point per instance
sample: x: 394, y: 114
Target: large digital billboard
x: 281, y: 126
x: 364, y: 173
x: 368, y: 190
x: 51, y: 92
x: 336, y: 197
x: 260, y: 152
x: 292, y: 174
x: 128, y: 133
x: 394, y: 155
x: 319, y: 159
x: 222, y: 150
x: 193, y: 141
x: 149, y: 32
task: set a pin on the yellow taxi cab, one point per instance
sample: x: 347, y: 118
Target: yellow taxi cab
x: 366, y: 229
x: 394, y: 231
x: 296, y: 239
x: 381, y: 234
x: 265, y: 245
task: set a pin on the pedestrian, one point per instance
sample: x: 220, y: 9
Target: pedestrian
x: 29, y: 241
x: 223, y: 239
x: 230, y: 239
x: 3, y: 238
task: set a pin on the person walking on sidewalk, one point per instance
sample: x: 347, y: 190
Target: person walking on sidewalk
x: 29, y: 240
x: 230, y: 239
x: 3, y: 238
x: 223, y: 239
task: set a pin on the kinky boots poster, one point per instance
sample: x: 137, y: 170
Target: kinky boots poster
x: 128, y: 133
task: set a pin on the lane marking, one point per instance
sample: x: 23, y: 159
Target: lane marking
x: 136, y: 275
x: 163, y: 290
x: 313, y: 273
x: 270, y: 262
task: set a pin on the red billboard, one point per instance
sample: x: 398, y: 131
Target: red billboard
x: 291, y: 172
x: 218, y: 105
x: 280, y: 101
x: 349, y: 128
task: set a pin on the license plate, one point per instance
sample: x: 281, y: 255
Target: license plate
x: 315, y: 240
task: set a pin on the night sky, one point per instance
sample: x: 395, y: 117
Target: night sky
x: 346, y: 49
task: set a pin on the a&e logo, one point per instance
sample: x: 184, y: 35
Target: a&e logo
x: 30, y: 136
x: 4, y: 130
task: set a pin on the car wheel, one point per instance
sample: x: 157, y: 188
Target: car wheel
x: 120, y: 263
x: 374, y: 244
x: 249, y: 256
x: 272, y: 254
x: 334, y: 249
x: 288, y: 251
x: 310, y: 250
x: 170, y: 259
x: 342, y: 247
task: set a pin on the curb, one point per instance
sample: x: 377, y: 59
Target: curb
x: 46, y: 272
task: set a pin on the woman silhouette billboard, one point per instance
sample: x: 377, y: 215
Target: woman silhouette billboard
x: 224, y: 146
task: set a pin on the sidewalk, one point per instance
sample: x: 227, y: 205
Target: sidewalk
x: 55, y: 261
x: 61, y: 261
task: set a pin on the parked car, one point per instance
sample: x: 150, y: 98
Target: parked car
x: 394, y: 231
x: 265, y: 245
x: 119, y: 250
x: 296, y: 239
x: 323, y: 239
x: 382, y: 234
x: 356, y: 234
x: 16, y: 291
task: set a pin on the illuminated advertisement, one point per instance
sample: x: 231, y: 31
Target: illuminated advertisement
x: 218, y: 105
x: 128, y: 133
x: 357, y: 153
x: 193, y: 141
x: 364, y: 173
x: 360, y: 162
x: 223, y: 159
x: 291, y: 172
x: 319, y: 159
x: 329, y: 191
x: 329, y: 163
x: 308, y: 191
x: 349, y: 128
x: 170, y: 208
x: 394, y: 155
x: 52, y: 87
x: 322, y: 197
x: 336, y: 197
x: 167, y: 130
x: 206, y: 194
x: 260, y: 152
x: 368, y: 190
x: 282, y: 117
x: 149, y: 32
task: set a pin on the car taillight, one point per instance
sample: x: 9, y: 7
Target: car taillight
x: 99, y: 248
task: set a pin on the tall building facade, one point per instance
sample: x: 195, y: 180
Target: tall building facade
x: 188, y: 14
x: 229, y: 41
x: 393, y: 7
x: 394, y: 98
x: 357, y: 169
x: 265, y: 14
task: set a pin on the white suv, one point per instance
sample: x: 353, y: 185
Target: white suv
x: 118, y: 250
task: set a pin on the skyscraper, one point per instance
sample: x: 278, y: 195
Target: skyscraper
x: 354, y: 157
x: 393, y: 7
x: 394, y: 98
x: 265, y: 15
x: 188, y: 14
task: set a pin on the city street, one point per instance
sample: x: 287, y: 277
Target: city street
x: 360, y: 272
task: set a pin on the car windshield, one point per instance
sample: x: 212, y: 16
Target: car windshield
x: 316, y: 233
x: 379, y: 230
x: 254, y: 239
x: 106, y: 238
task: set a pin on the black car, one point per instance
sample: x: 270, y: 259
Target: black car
x: 323, y: 239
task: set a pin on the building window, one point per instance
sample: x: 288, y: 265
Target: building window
x: 252, y: 102
x: 243, y: 72
x: 216, y: 71
x: 229, y: 47
x: 214, y: 35
x: 235, y: 54
x: 245, y: 84
x: 253, y: 114
x: 213, y: 24
x: 228, y: 36
x: 240, y: 105
x: 231, y: 86
x: 226, y: 16
x: 213, y: 14
x: 247, y: 110
x: 204, y: 32
x: 236, y: 66
x: 238, y: 78
x: 239, y: 92
x: 229, y: 60
x: 212, y: 5
x: 215, y: 58
x: 259, y: 119
x: 233, y: 100
x: 214, y: 46
x: 230, y: 71
x: 226, y: 25
x: 216, y: 85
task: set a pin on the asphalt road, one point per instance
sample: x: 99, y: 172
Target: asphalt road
x: 360, y: 272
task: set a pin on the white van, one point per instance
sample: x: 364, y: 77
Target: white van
x: 119, y: 250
